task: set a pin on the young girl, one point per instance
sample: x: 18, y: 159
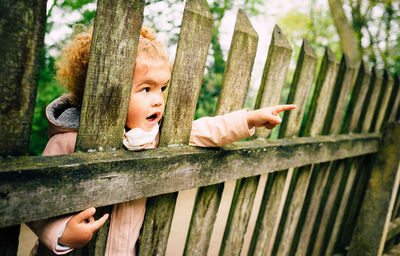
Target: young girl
x: 151, y: 76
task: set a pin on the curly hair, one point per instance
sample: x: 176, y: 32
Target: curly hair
x: 73, y: 64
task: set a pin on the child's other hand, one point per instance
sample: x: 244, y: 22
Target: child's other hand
x: 79, y: 229
x: 267, y: 117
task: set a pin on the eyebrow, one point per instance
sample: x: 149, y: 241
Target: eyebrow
x: 152, y: 82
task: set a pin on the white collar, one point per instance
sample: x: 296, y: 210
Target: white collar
x: 136, y: 139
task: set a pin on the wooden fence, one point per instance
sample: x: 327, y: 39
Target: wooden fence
x: 318, y: 171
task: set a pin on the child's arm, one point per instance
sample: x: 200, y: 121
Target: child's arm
x: 77, y: 229
x: 222, y: 130
x: 77, y: 233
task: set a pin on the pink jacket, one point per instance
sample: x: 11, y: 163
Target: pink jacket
x: 127, y: 218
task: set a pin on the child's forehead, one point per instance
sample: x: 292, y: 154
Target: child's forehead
x: 157, y: 69
x: 145, y: 62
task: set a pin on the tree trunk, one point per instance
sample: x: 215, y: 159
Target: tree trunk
x: 348, y: 40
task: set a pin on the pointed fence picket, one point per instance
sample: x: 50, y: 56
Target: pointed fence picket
x: 318, y: 178
x: 233, y: 93
x: 317, y: 172
x: 184, y: 89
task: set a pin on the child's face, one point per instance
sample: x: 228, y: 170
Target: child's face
x: 146, y: 105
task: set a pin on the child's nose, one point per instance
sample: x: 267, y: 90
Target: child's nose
x: 157, y: 100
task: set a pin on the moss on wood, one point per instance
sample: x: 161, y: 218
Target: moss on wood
x: 96, y: 179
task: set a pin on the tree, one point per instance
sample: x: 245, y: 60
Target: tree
x: 370, y: 29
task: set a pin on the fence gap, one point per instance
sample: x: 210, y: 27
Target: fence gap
x: 381, y: 104
x: 394, y: 102
x: 368, y: 125
x: 395, y: 114
x: 194, y: 42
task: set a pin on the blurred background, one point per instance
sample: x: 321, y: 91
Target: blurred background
x: 367, y: 28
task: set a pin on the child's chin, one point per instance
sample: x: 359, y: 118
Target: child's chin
x: 149, y: 126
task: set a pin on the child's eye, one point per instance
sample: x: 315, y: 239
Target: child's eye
x: 163, y: 88
x: 147, y: 89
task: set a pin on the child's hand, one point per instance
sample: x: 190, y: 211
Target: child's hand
x: 79, y: 229
x: 267, y: 117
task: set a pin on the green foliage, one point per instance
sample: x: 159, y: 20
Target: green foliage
x: 48, y: 87
x: 48, y: 90
x: 319, y: 30
x: 376, y: 26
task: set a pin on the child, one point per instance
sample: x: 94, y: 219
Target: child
x: 151, y: 77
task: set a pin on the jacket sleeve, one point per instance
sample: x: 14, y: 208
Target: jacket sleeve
x: 48, y: 230
x: 220, y: 130
x: 61, y: 144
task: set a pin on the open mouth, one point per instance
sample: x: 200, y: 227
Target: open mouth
x: 152, y: 117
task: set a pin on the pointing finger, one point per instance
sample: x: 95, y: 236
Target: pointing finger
x: 98, y: 223
x: 281, y: 108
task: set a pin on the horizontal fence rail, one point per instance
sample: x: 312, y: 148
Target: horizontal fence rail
x: 98, y: 179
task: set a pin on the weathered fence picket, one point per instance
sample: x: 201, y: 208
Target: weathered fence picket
x: 395, y: 113
x: 274, y: 75
x: 270, y: 91
x: 318, y: 178
x: 316, y: 172
x: 107, y: 93
x: 22, y: 41
x: 351, y: 117
x: 184, y: 89
x: 291, y: 125
x: 336, y: 170
x: 299, y: 186
x: 364, y: 124
x: 298, y: 95
x: 243, y: 197
x: 361, y: 164
x: 382, y: 102
x: 355, y: 108
x: 234, y: 88
x: 394, y: 102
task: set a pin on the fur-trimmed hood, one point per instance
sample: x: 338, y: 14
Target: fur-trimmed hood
x: 62, y: 116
